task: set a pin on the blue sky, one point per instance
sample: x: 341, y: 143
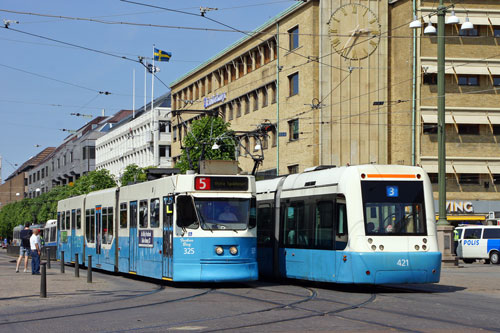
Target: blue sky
x: 35, y: 105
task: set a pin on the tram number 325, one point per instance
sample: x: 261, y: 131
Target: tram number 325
x: 188, y: 250
x: 403, y: 262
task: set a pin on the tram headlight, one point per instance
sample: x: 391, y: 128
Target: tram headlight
x: 424, y: 247
x: 219, y: 250
x: 374, y: 247
x: 424, y: 240
x: 417, y: 247
x: 381, y: 247
x: 233, y: 250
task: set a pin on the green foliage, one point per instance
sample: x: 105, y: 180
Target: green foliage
x: 44, y: 207
x: 204, y: 133
x: 133, y: 173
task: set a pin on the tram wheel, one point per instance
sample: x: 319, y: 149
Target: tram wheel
x: 494, y: 258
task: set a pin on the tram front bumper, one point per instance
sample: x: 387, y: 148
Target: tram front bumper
x: 216, y: 272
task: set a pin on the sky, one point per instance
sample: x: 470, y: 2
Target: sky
x: 48, y: 72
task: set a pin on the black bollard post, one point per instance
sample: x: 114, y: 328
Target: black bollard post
x: 48, y: 258
x: 89, y: 270
x: 43, y: 281
x: 77, y: 266
x: 62, y: 262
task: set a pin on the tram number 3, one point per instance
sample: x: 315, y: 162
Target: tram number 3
x: 403, y: 262
x: 188, y: 250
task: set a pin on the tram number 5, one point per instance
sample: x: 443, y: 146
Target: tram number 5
x: 403, y: 262
x: 188, y: 250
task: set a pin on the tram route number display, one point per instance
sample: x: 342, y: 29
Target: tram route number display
x: 145, y: 238
x: 221, y: 183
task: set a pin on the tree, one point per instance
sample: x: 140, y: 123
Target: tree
x: 203, y: 134
x: 132, y: 174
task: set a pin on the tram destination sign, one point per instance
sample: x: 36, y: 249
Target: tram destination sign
x: 221, y: 183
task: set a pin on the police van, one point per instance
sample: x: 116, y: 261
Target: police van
x: 479, y: 242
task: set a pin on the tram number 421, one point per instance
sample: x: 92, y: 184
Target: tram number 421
x: 403, y: 262
x: 188, y: 250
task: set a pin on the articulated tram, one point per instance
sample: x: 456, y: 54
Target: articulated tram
x: 366, y: 224
x: 181, y: 228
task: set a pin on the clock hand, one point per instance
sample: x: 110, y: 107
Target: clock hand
x: 352, y: 34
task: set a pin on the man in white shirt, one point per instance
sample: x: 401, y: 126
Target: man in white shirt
x: 36, y: 247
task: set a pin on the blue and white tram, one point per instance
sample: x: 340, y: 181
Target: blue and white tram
x: 69, y: 228
x: 50, y: 237
x: 366, y: 224
x: 179, y: 228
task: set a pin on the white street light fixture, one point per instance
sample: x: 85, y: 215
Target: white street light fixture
x: 215, y: 146
x: 258, y: 147
x: 415, y: 24
x: 453, y: 19
x: 430, y: 29
x: 467, y: 25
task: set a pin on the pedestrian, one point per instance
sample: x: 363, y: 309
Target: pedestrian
x: 456, y: 237
x: 36, y: 248
x: 24, y: 248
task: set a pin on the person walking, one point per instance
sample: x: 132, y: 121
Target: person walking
x: 456, y: 237
x: 36, y: 248
x: 24, y: 248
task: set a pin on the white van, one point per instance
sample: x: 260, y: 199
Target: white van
x: 479, y: 242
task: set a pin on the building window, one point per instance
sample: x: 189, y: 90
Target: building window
x: 274, y: 137
x: 471, y: 32
x: 249, y: 63
x: 469, y: 178
x: 496, y: 31
x: 293, y: 169
x: 496, y: 129
x: 255, y: 101
x: 468, y: 129
x: 496, y: 80
x: 230, y: 111
x: 264, y: 97
x: 496, y: 178
x: 225, y: 75
x: 241, y: 68
x: 164, y: 126
x: 30, y: 179
x: 233, y: 73
x: 238, y: 108
x: 43, y: 173
x: 433, y: 177
x: 257, y: 58
x: 209, y: 83
x: 71, y: 157
x: 88, y: 152
x: 59, y: 161
x: 430, y: 128
x: 273, y: 93
x: 64, y: 159
x: 468, y: 80
x: 223, y: 112
x: 175, y: 133
x: 164, y: 151
x: 265, y: 141
x: 267, y: 54
x: 247, y: 105
x: 293, y: 35
x: 293, y: 82
x: 38, y: 175
x: 430, y: 78
x: 293, y: 128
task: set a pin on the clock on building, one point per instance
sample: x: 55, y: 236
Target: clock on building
x: 354, y: 31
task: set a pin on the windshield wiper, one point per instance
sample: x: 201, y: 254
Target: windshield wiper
x: 203, y: 223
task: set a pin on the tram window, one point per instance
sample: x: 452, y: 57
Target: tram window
x: 265, y: 225
x: 53, y: 236
x: 143, y: 214
x: 472, y: 234
x: 104, y: 225
x: 92, y: 225
x: 341, y: 235
x: 324, y: 225
x: 59, y: 224
x: 123, y: 215
x: 73, y: 219
x: 78, y: 219
x: 87, y: 225
x: 168, y: 211
x: 252, y: 219
x: 68, y: 222
x: 109, y: 236
x: 294, y: 225
x: 155, y: 213
x: 186, y: 213
x: 133, y: 214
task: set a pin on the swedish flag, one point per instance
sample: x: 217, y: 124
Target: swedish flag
x: 162, y: 55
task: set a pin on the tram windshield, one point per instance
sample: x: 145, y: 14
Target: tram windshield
x: 226, y: 213
x: 394, y: 208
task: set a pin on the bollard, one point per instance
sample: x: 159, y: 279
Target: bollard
x: 43, y: 281
x: 77, y: 266
x: 62, y: 261
x: 89, y: 270
x: 48, y: 258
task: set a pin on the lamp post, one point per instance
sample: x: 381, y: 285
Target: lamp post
x: 444, y: 228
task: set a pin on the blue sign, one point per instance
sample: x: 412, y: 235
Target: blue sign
x: 282, y: 134
x: 145, y: 238
x: 215, y: 99
x: 392, y: 191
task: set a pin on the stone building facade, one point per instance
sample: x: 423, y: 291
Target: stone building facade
x: 350, y: 82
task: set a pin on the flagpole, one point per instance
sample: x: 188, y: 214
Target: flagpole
x: 133, y: 94
x: 153, y: 69
x: 145, y: 87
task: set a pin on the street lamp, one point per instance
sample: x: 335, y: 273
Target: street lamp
x: 445, y: 230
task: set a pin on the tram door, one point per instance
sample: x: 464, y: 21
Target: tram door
x: 168, y: 216
x: 73, y: 235
x: 98, y: 231
x: 133, y: 237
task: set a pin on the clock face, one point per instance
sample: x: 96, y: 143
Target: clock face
x: 354, y: 31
